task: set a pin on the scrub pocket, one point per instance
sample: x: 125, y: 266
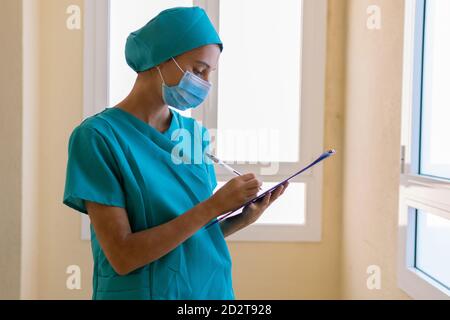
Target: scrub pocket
x: 130, y: 287
x: 169, y: 279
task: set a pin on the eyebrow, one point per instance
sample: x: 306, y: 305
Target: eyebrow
x: 204, y: 63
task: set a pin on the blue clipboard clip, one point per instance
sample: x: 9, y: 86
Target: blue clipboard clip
x: 322, y: 157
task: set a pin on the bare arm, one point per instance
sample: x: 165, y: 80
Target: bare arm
x: 127, y: 251
x: 232, y: 225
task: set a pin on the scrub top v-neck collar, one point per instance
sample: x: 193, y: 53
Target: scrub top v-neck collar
x: 174, y: 123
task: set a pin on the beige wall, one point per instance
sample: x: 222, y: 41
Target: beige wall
x: 31, y: 143
x: 372, y: 149
x: 11, y: 148
x: 61, y: 110
x: 360, y: 184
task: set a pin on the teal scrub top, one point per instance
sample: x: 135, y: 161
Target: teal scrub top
x: 118, y: 160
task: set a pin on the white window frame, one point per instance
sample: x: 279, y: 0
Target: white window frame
x: 417, y: 192
x: 96, y: 26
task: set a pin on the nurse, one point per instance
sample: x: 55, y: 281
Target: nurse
x: 149, y: 203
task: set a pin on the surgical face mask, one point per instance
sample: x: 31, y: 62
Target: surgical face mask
x: 189, y: 93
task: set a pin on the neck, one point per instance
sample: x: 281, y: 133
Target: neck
x: 145, y: 103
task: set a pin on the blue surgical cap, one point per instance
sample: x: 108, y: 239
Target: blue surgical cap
x: 171, y: 33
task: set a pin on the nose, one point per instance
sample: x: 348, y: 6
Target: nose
x: 207, y: 76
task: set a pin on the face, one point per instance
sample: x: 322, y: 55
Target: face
x: 201, y: 62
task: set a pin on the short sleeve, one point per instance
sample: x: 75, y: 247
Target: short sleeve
x: 209, y: 165
x: 92, y: 173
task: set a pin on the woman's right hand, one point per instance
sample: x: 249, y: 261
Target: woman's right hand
x: 235, y: 193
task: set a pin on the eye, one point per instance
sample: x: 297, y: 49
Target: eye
x: 197, y: 72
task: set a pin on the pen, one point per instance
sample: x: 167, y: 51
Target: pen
x: 223, y: 164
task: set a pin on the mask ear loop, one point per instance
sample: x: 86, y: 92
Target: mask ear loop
x: 160, y: 74
x: 178, y: 65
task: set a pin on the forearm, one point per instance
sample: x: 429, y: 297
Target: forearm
x: 142, y: 248
x: 233, y: 224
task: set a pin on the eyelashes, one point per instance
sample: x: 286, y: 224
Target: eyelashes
x: 196, y: 72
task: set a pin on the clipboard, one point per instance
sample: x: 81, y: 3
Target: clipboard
x: 322, y: 157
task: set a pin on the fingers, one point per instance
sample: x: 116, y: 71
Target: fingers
x: 266, y: 199
x: 278, y: 192
x: 263, y: 202
x: 285, y: 186
x: 250, y: 187
x: 251, y: 192
x: 253, y: 184
x: 248, y: 176
x: 271, y: 196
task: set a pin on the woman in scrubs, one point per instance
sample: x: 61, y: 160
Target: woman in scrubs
x: 132, y: 169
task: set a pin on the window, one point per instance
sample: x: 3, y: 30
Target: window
x: 424, y: 216
x: 432, y: 247
x: 259, y: 60
x: 435, y: 153
x: 265, y: 112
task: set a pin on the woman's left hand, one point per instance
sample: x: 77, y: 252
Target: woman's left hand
x: 253, y: 211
